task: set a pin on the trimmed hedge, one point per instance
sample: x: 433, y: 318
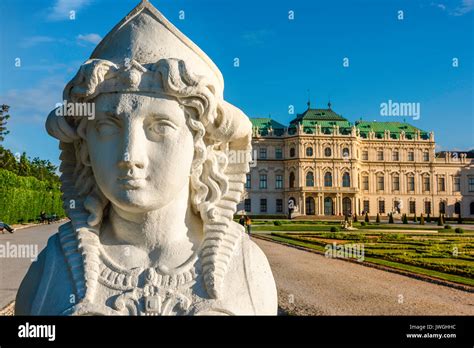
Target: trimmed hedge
x: 22, y: 198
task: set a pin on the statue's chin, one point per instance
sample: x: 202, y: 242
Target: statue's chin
x: 135, y: 203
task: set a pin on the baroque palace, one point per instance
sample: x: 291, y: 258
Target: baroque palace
x: 322, y: 164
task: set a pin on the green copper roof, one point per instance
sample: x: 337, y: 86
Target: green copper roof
x: 318, y: 115
x: 395, y: 129
x: 264, y: 123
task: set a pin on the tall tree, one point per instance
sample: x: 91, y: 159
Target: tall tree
x: 4, y: 116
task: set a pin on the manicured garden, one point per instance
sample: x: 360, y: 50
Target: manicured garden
x: 441, y: 252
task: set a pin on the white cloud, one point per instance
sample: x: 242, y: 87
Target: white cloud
x: 32, y: 105
x: 466, y: 7
x: 92, y: 38
x: 62, y: 9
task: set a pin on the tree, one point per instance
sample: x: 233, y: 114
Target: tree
x: 459, y: 218
x: 440, y: 220
x: 390, y: 218
x: 355, y: 218
x: 377, y: 219
x: 428, y: 218
x: 414, y: 218
x: 405, y: 219
x: 422, y: 220
x: 3, y: 121
x: 367, y: 217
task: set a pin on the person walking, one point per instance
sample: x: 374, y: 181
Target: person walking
x: 242, y: 220
x: 5, y: 226
x: 248, y: 223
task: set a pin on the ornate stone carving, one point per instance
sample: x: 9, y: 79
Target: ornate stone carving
x: 149, y: 187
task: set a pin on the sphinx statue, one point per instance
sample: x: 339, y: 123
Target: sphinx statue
x: 150, y: 185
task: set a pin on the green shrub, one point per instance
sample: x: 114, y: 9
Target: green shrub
x: 377, y: 219
x: 440, y: 220
x: 414, y: 218
x: 366, y: 217
x: 459, y: 219
x: 447, y: 227
x: 390, y: 218
x: 428, y: 218
x: 334, y: 229
x: 405, y: 219
x: 355, y: 218
x: 422, y: 220
x: 277, y: 223
x: 363, y: 223
x: 458, y: 230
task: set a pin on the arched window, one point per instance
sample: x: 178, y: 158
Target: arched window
x: 471, y: 208
x: 309, y: 179
x: 442, y: 208
x: 327, y: 152
x: 292, y: 152
x: 345, y: 153
x: 292, y: 179
x: 328, y: 179
x: 457, y: 208
x: 346, y: 180
x: 309, y: 151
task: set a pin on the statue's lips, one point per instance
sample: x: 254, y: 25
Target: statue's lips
x: 131, y: 183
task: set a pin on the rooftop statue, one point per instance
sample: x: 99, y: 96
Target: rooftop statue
x: 150, y: 185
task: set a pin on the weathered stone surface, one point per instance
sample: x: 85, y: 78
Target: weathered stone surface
x: 150, y: 183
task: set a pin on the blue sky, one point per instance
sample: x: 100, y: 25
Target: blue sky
x: 409, y: 60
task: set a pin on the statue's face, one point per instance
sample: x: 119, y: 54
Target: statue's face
x: 141, y: 149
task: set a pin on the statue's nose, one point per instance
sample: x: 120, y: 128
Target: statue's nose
x: 134, y: 154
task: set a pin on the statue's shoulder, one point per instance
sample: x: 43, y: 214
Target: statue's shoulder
x: 47, y: 287
x: 251, y: 263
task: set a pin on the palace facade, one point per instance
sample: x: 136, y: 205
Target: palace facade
x: 325, y: 165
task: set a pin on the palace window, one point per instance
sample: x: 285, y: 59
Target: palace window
x: 457, y: 208
x: 248, y: 183
x: 292, y: 180
x: 309, y: 151
x: 328, y: 179
x: 365, y: 182
x: 410, y: 183
x: 345, y: 153
x: 263, y: 153
x: 327, y: 152
x: 379, y: 155
x: 279, y: 205
x: 263, y: 205
x: 412, y: 206
x: 247, y: 204
x: 263, y: 181
x: 471, y: 208
x: 456, y: 184
x: 309, y: 179
x: 278, y: 153
x: 441, y: 184
x: 411, y: 156
x: 292, y: 152
x: 395, y: 156
x: 426, y: 183
x: 366, y: 206
x: 470, y: 182
x: 382, y: 207
x: 426, y: 156
x: 346, y: 180
x: 279, y: 181
x: 365, y: 155
x: 396, y: 183
x: 380, y: 182
x: 428, y: 207
x: 442, y: 208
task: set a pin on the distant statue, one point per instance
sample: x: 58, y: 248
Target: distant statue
x: 150, y: 183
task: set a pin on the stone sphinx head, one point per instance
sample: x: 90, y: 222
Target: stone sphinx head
x: 161, y: 132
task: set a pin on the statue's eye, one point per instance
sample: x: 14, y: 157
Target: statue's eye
x: 162, y: 127
x: 107, y: 127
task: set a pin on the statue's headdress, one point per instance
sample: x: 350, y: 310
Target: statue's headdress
x: 146, y: 53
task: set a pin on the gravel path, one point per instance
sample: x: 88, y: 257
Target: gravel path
x: 311, y: 284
